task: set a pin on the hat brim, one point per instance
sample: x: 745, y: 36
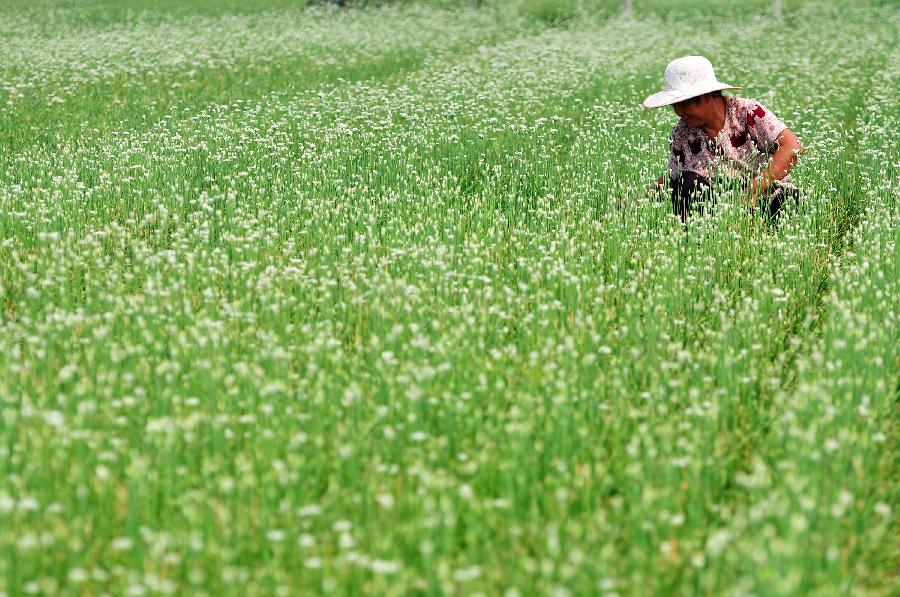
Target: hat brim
x: 668, y: 97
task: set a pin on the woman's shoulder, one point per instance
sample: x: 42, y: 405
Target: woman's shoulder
x: 683, y: 134
x: 743, y: 103
x: 681, y: 129
x: 757, y: 120
x: 746, y: 104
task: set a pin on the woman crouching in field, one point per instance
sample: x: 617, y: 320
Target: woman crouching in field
x: 718, y: 136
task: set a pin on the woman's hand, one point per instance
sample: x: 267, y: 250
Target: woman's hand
x: 751, y: 194
x: 784, y: 158
x: 657, y: 187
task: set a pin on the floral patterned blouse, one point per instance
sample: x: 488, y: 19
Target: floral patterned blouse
x: 740, y: 150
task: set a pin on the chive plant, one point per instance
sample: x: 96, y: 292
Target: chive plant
x: 374, y: 301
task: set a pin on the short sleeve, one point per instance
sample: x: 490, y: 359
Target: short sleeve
x: 763, y: 126
x: 676, y: 154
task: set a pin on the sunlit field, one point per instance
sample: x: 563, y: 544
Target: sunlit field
x: 301, y: 300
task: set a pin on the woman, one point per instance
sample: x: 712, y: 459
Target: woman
x: 720, y: 136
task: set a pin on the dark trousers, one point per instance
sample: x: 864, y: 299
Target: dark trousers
x: 691, y: 191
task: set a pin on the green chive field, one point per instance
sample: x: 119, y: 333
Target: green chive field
x: 300, y: 300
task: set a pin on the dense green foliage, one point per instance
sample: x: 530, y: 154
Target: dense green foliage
x: 298, y: 300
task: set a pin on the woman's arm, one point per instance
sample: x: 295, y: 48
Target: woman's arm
x: 784, y: 158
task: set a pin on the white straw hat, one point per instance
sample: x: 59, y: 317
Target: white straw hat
x: 685, y: 78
